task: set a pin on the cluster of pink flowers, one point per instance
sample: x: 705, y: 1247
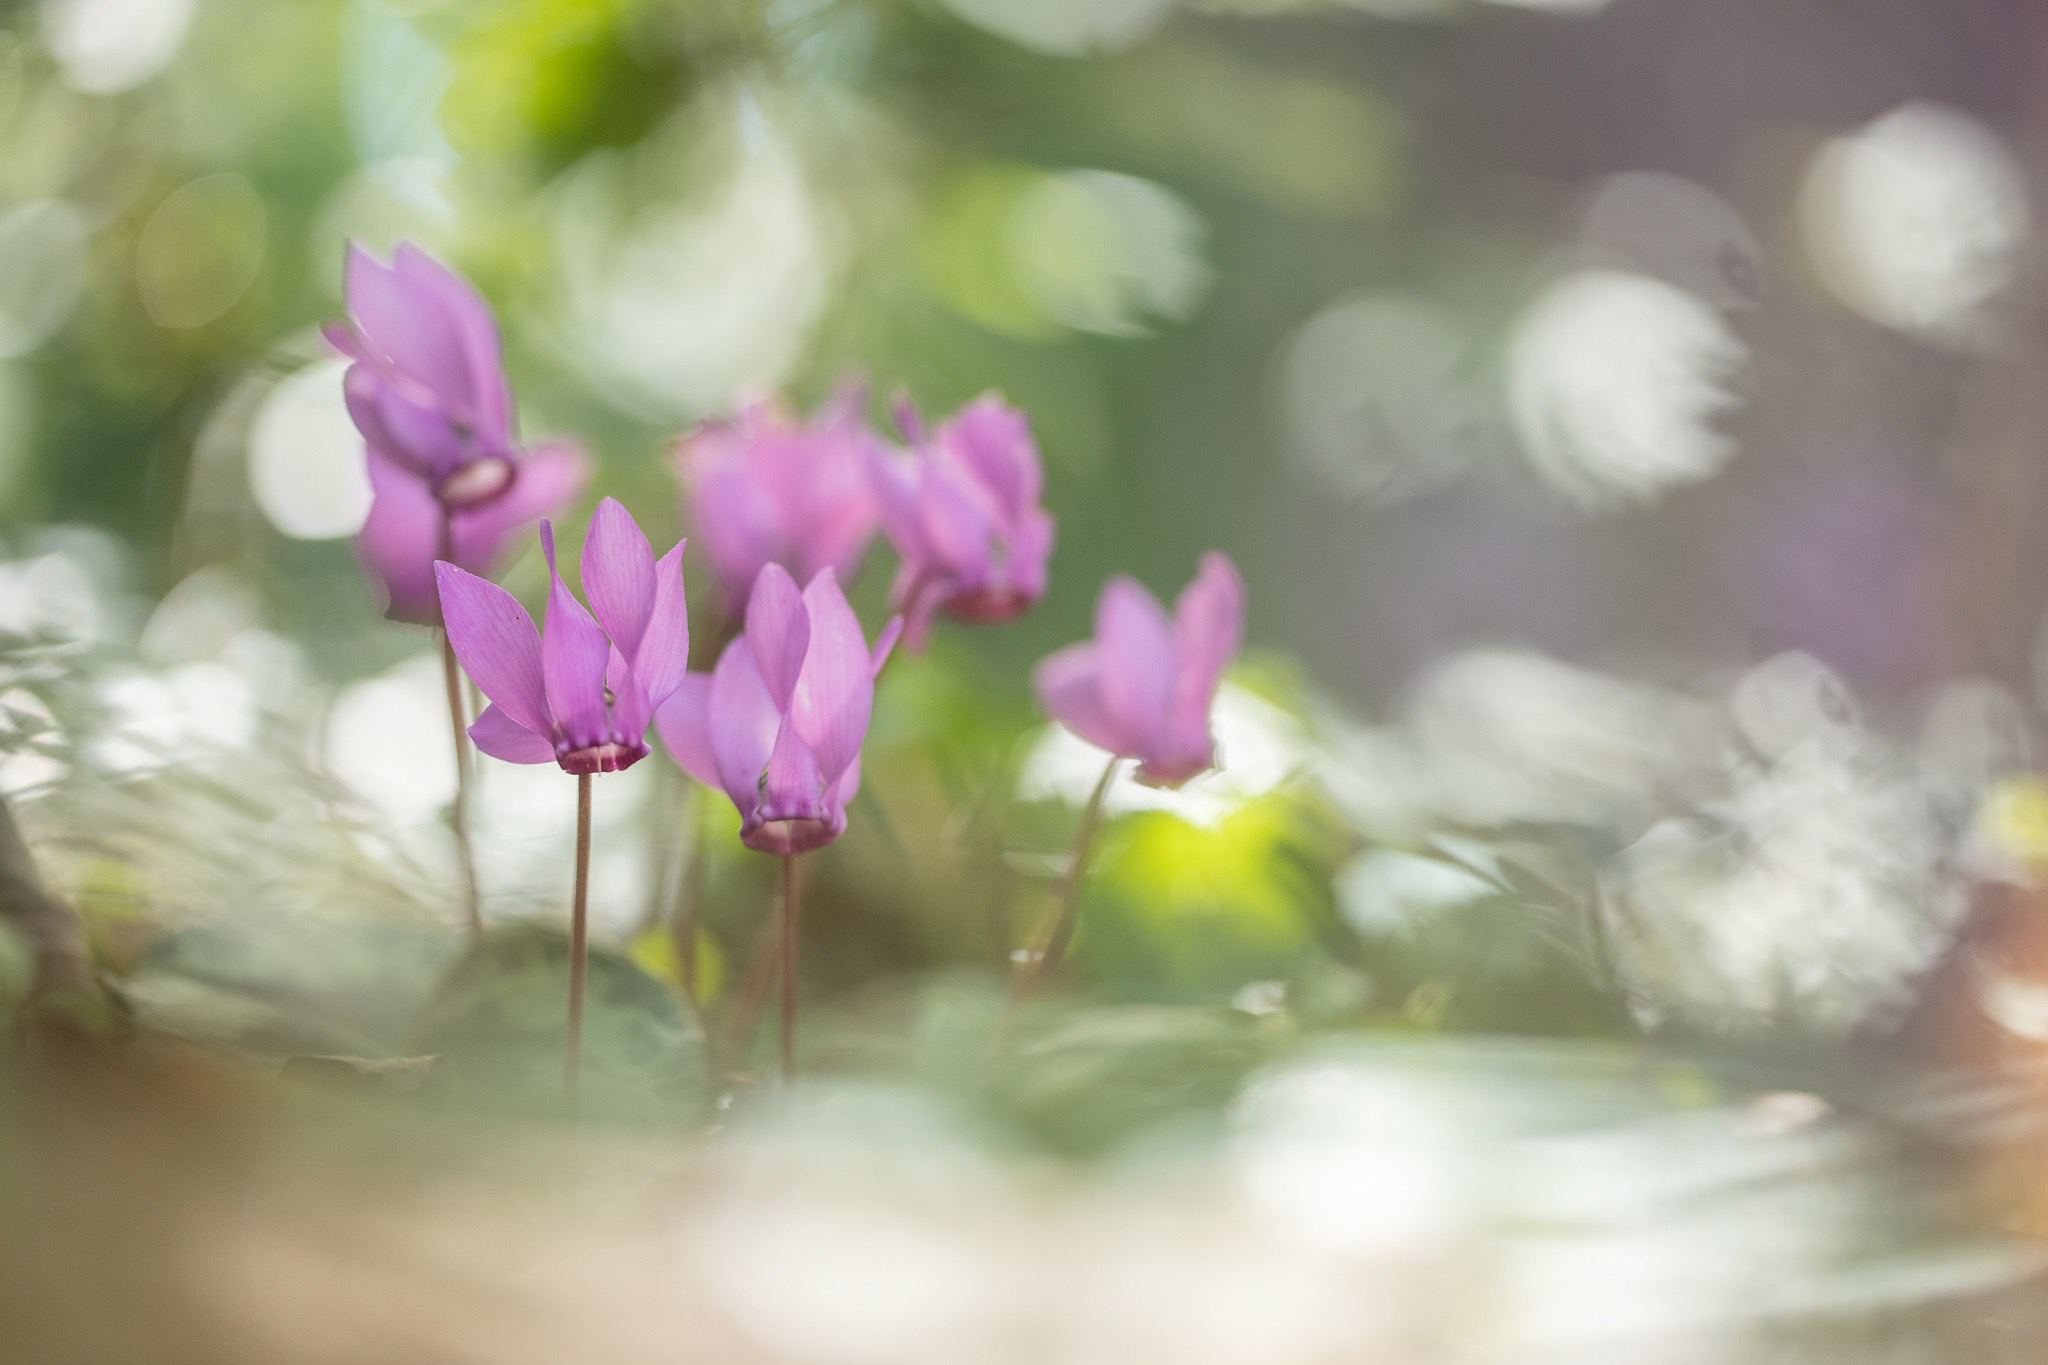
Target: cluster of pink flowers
x: 783, y: 509
x: 776, y: 502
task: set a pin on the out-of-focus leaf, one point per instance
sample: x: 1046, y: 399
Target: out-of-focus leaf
x: 294, y: 985
x: 1084, y: 1082
x: 499, y: 1021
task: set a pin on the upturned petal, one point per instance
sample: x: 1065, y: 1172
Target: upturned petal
x: 955, y: 527
x: 994, y: 440
x: 684, y: 723
x: 618, y: 575
x: 406, y: 325
x: 574, y: 652
x: 631, y: 711
x: 400, y: 540
x: 895, y: 480
x: 468, y: 317
x: 1208, y: 629
x: 665, y: 647
x: 836, y: 690
x: 743, y: 721
x: 496, y: 643
x: 1135, y: 660
x: 885, y: 645
x: 504, y: 738
x: 1069, y: 687
x: 778, y: 631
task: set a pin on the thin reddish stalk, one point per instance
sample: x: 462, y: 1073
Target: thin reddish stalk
x: 579, y: 939
x: 1052, y: 942
x: 790, y: 909
x: 751, y: 992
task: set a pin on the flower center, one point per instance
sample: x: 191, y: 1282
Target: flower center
x: 476, y: 481
x: 608, y: 757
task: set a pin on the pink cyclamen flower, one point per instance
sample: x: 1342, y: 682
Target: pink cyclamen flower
x: 779, y: 722
x: 582, y: 691
x: 427, y: 391
x: 963, y: 511
x: 764, y: 488
x: 1142, y: 688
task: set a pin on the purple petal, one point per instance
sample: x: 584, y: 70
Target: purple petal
x: 546, y: 479
x: 895, y: 482
x: 994, y: 440
x: 792, y: 787
x: 631, y: 711
x: 665, y: 648
x: 1031, y: 544
x: 778, y: 631
x: 400, y: 540
x: 1208, y: 629
x: 504, y: 738
x: 743, y: 720
x: 1135, y: 652
x: 885, y: 645
x: 496, y: 643
x: 845, y: 789
x: 732, y: 514
x: 573, y: 655
x: 618, y: 575
x: 489, y: 399
x: 409, y: 325
x: 836, y: 690
x: 1069, y: 686
x: 955, y: 526
x: 343, y: 337
x: 684, y: 722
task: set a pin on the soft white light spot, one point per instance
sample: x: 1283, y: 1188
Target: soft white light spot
x: 26, y: 773
x: 1615, y: 381
x: 160, y: 719
x: 1348, y: 1159
x: 52, y: 593
x: 306, y: 459
x: 389, y: 741
x: 107, y: 46
x: 2017, y: 1004
x: 1916, y: 221
x: 1377, y: 397
x: 684, y: 306
x: 1067, y: 27
x: 42, y: 269
x: 1386, y: 890
x: 523, y: 829
x: 1258, y: 747
x: 1102, y: 252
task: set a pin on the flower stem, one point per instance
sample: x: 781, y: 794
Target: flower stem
x: 1045, y: 955
x: 790, y: 888
x: 579, y: 939
x: 458, y: 720
x: 458, y: 816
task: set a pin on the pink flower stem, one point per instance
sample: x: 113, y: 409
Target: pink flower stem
x: 1044, y: 957
x: 458, y: 719
x: 579, y: 940
x: 790, y: 888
